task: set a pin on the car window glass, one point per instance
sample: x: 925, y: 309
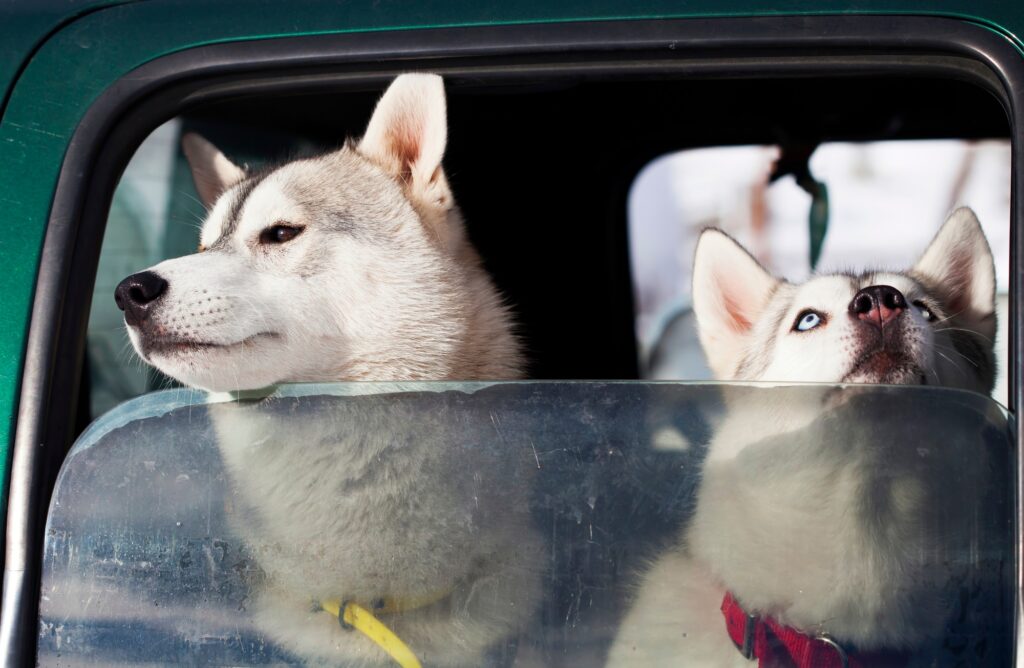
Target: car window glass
x: 186, y: 529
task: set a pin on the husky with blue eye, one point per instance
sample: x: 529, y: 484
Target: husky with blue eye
x: 352, y: 265
x: 823, y: 521
x: 931, y: 325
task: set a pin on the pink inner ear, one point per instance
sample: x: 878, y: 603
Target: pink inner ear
x: 740, y: 299
x: 738, y: 321
x: 404, y: 140
x: 960, y: 282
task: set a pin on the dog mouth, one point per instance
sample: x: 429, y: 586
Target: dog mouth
x: 886, y: 366
x: 167, y: 345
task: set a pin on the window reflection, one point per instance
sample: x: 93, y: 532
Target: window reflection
x: 528, y: 523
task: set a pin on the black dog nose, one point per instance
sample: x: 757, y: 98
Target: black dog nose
x: 136, y: 294
x: 878, y: 304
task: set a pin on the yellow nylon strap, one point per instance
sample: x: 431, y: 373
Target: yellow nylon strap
x: 362, y: 620
x: 390, y: 606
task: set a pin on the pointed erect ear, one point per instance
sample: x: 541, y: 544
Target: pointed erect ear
x: 408, y: 131
x: 730, y: 292
x: 212, y: 172
x: 958, y: 264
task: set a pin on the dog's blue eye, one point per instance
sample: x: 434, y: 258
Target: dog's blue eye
x: 925, y: 311
x: 807, y: 320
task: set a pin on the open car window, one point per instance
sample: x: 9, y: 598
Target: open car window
x: 186, y: 530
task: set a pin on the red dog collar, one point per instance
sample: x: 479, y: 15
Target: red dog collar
x: 777, y: 646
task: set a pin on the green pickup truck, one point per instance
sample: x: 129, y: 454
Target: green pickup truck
x: 122, y: 542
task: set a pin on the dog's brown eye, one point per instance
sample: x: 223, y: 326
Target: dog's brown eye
x: 279, y: 233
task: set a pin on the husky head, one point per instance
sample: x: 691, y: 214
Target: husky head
x: 352, y: 265
x: 931, y: 325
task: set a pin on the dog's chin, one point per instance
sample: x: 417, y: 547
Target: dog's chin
x: 886, y: 367
x: 216, y: 367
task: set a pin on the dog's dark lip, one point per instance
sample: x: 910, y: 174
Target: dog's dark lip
x: 870, y: 356
x: 168, y: 345
x: 898, y: 361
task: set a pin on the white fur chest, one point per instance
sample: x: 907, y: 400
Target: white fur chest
x: 360, y: 503
x: 845, y: 524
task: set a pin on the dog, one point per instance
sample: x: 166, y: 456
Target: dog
x: 827, y: 513
x: 352, y: 265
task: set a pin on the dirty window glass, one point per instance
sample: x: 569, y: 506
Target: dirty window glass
x: 529, y: 524
x: 886, y: 200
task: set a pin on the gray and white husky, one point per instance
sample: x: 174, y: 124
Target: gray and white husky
x: 831, y: 514
x: 353, y: 265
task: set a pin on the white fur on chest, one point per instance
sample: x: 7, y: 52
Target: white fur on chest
x: 848, y: 524
x: 359, y: 506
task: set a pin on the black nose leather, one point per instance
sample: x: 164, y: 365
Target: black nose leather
x: 878, y: 304
x: 137, y: 294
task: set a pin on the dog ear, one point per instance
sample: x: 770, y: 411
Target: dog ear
x: 407, y: 134
x: 730, y: 291
x: 212, y: 172
x: 958, y: 265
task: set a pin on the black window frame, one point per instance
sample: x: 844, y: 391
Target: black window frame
x: 131, y: 107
